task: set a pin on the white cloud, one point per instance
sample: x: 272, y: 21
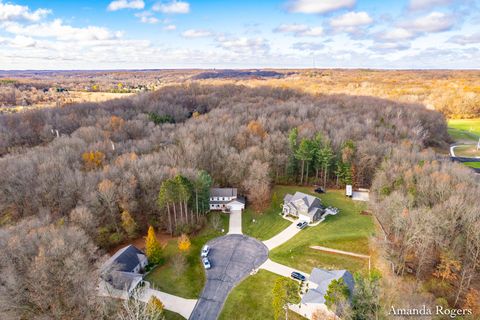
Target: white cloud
x: 426, y: 4
x: 396, y: 34
x: 147, y: 17
x: 194, y: 33
x: 172, y: 7
x: 433, y: 22
x: 170, y: 27
x: 125, y: 4
x: 299, y: 30
x: 13, y: 12
x: 56, y: 29
x: 243, y: 45
x: 308, y: 46
x: 318, y: 6
x: 466, y: 39
x: 390, y: 46
x: 351, y: 19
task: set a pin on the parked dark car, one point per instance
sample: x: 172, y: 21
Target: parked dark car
x: 302, y: 224
x: 319, y: 190
x: 298, y: 276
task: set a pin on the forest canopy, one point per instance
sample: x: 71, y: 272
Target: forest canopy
x: 112, y: 157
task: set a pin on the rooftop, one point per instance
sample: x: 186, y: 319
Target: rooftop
x: 125, y: 259
x: 223, y: 192
x: 322, y: 278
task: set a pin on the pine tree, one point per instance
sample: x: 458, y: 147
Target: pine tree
x: 153, y: 248
x: 292, y: 165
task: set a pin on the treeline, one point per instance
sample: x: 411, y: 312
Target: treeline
x: 318, y: 159
x: 429, y: 211
x: 111, y: 159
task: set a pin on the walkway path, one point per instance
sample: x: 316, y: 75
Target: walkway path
x: 235, y: 223
x: 182, y: 306
x: 280, y: 269
x: 452, y: 150
x: 283, y: 236
x: 173, y: 303
x: 353, y: 254
x: 346, y: 253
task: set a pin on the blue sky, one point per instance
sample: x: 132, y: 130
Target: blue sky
x: 141, y: 34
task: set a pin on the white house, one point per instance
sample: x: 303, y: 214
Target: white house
x: 304, y: 206
x: 318, y: 282
x: 225, y: 199
x: 124, y: 270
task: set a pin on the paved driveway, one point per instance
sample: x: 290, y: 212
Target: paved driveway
x: 235, y: 224
x: 232, y: 258
x: 173, y: 303
x: 280, y: 269
x: 283, y: 236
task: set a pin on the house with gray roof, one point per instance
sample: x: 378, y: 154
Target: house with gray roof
x: 303, y: 206
x: 318, y: 283
x: 125, y: 269
x: 225, y: 199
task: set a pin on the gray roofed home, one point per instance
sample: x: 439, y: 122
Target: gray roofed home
x: 223, y: 192
x: 318, y: 283
x: 225, y: 199
x: 124, y: 270
x: 303, y: 206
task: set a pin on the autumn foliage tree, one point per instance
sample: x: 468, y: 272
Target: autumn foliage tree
x: 93, y: 160
x: 153, y: 249
x: 184, y: 243
x: 129, y: 224
x: 155, y: 306
x: 256, y: 128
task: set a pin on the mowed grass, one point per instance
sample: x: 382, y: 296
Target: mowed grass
x: 188, y: 284
x: 252, y: 299
x: 464, y: 129
x: 169, y: 315
x: 347, y: 231
x: 472, y: 164
x: 266, y: 224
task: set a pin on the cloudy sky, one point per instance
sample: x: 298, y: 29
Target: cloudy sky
x: 141, y: 34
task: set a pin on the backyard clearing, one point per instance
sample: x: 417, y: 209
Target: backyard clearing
x: 464, y: 130
x: 348, y: 231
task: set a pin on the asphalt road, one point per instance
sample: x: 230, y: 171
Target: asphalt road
x: 232, y: 258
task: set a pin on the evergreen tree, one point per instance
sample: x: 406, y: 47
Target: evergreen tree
x: 304, y: 154
x: 292, y: 164
x: 284, y: 291
x: 326, y: 154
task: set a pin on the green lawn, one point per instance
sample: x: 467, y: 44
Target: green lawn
x: 268, y: 223
x: 188, y: 284
x: 252, y: 299
x: 464, y: 129
x: 169, y: 315
x: 348, y: 231
x: 472, y: 164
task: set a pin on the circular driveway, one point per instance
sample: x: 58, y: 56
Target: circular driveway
x: 232, y: 257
